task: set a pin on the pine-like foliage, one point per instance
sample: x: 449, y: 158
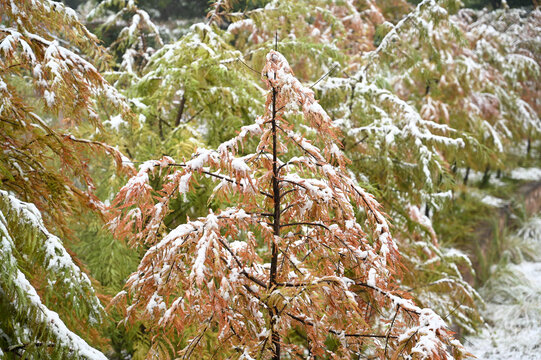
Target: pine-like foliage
x: 27, y: 326
x: 136, y: 37
x: 467, y: 77
x: 503, y: 65
x: 316, y: 35
x: 33, y: 149
x: 47, y: 84
x: 440, y: 91
x: 197, y: 79
x: 402, y: 150
x: 396, y: 149
x: 302, y: 250
x: 290, y: 256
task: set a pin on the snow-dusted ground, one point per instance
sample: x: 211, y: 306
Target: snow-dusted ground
x: 513, y: 311
x: 531, y: 174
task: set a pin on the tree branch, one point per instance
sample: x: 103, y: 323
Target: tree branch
x: 340, y: 333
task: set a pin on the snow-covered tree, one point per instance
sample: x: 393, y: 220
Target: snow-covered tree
x: 401, y: 149
x: 316, y: 35
x: 45, y: 86
x: 302, y: 261
x: 197, y: 79
x: 397, y: 145
x: 136, y: 37
x: 466, y: 77
x: 505, y: 48
x: 46, y: 83
x: 424, y: 102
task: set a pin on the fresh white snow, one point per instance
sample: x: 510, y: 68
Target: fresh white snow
x: 531, y: 174
x: 513, y: 311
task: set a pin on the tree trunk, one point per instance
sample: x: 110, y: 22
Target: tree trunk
x: 180, y: 110
x: 467, y: 175
x: 273, y: 312
x: 486, y: 177
x: 160, y: 128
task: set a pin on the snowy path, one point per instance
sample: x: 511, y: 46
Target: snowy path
x: 513, y: 310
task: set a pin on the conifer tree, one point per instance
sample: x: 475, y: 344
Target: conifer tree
x: 135, y: 42
x: 316, y: 35
x: 197, y: 79
x: 413, y: 110
x: 394, y: 147
x: 505, y: 46
x: 453, y: 76
x: 382, y: 123
x: 66, y: 86
x: 46, y: 84
x: 27, y: 326
x: 302, y: 250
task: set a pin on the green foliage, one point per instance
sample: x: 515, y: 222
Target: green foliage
x: 31, y: 254
x: 109, y: 261
x: 198, y: 78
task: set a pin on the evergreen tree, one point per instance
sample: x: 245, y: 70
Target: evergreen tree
x: 290, y: 257
x: 197, y: 79
x: 135, y: 36
x: 28, y: 327
x: 45, y: 86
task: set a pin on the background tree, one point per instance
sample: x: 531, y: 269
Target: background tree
x: 135, y: 37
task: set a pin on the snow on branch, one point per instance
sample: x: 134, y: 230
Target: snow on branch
x: 56, y: 70
x: 56, y: 259
x: 15, y: 217
x: 286, y: 250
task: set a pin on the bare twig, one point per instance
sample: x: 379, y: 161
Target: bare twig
x: 324, y: 76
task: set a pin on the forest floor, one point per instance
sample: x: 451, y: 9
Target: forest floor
x: 513, y: 316
x: 513, y: 296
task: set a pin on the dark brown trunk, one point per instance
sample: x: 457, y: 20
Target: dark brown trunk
x: 180, y: 110
x: 160, y: 128
x: 273, y: 312
x: 467, y: 175
x: 486, y: 177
